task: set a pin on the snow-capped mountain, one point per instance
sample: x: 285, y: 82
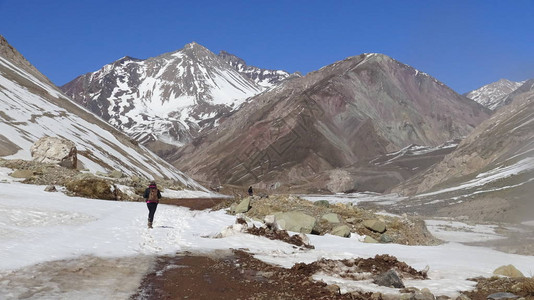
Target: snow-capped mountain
x: 31, y: 107
x: 263, y: 77
x: 168, y: 98
x: 493, y: 95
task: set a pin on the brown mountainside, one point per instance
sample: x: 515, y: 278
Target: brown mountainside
x: 343, y: 114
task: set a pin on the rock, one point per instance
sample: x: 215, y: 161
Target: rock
x: 369, y: 239
x: 502, y: 296
x: 343, y: 231
x: 407, y: 296
x: 443, y: 297
x: 116, y: 174
x: 243, y: 206
x: 270, y: 222
x: 55, y: 150
x: 385, y: 238
x: 331, y: 218
x: 462, y: 297
x: 304, y: 239
x: 95, y: 188
x: 424, y: 294
x: 51, y: 188
x: 351, y: 220
x: 509, y: 271
x: 21, y: 174
x: 389, y: 279
x: 323, y: 203
x: 334, y: 288
x: 391, y: 297
x: 295, y: 221
x: 265, y: 274
x: 375, y: 225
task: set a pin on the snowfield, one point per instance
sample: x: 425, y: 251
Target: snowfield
x: 38, y: 229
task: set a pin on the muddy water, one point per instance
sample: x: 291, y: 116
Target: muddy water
x: 86, y: 277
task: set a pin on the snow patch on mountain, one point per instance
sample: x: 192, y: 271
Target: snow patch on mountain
x: 493, y: 95
x: 171, y: 97
x: 31, y: 109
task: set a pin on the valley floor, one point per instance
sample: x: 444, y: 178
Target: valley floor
x: 54, y: 246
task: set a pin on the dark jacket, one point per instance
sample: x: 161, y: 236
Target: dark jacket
x: 147, y: 192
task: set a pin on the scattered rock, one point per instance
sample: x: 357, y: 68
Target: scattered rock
x: 502, y: 296
x: 22, y: 174
x: 389, y: 279
x: 331, y: 218
x: 51, y: 188
x: 343, y: 231
x: 295, y: 221
x: 55, y: 150
x: 509, y: 271
x: 375, y: 225
x: 243, y: 206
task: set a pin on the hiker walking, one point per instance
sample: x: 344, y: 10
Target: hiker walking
x: 152, y: 196
x: 250, y: 192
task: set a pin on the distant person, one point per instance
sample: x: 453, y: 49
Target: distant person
x: 152, y: 196
x: 250, y: 192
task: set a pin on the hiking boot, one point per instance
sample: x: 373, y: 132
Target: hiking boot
x: 149, y: 224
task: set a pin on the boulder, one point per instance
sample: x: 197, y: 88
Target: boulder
x: 509, y: 271
x: 385, y: 238
x: 424, y: 294
x: 331, y: 218
x: 351, y: 220
x: 304, y: 239
x: 295, y: 221
x: 51, y: 188
x: 369, y: 239
x: 92, y: 188
x: 243, y: 206
x: 389, y: 279
x: 116, y: 174
x: 21, y: 173
x: 334, y: 288
x: 343, y: 231
x: 270, y: 222
x: 375, y: 225
x: 323, y: 203
x: 55, y: 150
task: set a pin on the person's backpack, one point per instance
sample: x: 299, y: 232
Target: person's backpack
x: 153, y: 195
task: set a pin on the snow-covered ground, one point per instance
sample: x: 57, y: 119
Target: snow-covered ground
x: 38, y: 229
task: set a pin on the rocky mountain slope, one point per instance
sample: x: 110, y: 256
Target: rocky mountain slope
x: 31, y: 107
x: 493, y: 95
x: 263, y: 77
x: 168, y: 99
x: 343, y: 114
x: 491, y: 173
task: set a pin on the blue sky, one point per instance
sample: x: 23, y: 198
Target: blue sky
x: 465, y: 44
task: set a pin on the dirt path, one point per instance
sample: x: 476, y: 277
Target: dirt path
x: 229, y: 275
